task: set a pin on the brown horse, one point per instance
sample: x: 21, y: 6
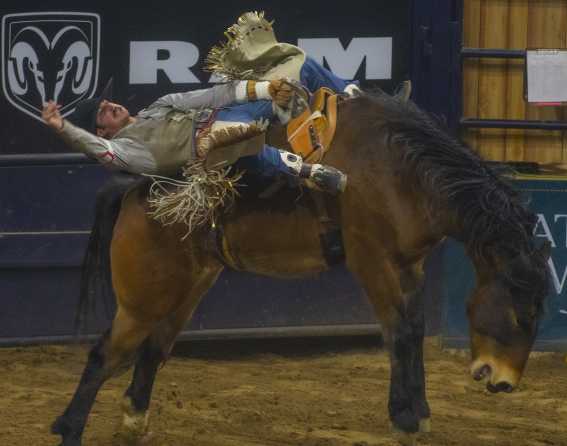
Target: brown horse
x: 410, y: 185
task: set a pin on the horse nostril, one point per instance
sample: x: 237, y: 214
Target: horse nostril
x: 504, y: 387
x: 491, y: 388
x: 500, y: 387
x: 482, y: 373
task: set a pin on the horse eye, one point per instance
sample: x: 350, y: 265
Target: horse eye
x: 526, y: 324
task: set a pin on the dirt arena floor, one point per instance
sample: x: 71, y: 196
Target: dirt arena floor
x: 284, y: 394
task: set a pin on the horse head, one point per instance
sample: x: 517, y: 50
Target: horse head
x: 504, y: 314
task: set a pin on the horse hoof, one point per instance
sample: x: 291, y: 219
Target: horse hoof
x: 425, y: 425
x: 70, y: 443
x: 128, y: 439
x: 59, y: 426
x: 404, y: 438
x: 134, y: 423
x: 147, y: 440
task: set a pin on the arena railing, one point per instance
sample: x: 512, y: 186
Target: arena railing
x: 44, y: 159
x: 469, y: 53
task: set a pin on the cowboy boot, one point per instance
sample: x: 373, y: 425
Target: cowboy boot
x: 316, y: 176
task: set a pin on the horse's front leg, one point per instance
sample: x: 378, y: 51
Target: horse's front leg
x: 396, y: 297
x: 408, y: 401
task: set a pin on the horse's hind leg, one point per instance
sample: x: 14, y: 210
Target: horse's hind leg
x: 396, y: 296
x: 137, y: 398
x: 114, y: 351
x: 153, y: 352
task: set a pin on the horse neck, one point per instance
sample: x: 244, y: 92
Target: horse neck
x: 452, y: 191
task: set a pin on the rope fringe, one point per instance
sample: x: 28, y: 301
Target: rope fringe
x: 195, y: 200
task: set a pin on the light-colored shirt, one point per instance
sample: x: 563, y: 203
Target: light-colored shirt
x: 141, y: 147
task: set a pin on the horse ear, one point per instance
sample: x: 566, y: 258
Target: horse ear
x: 404, y: 91
x: 545, y: 249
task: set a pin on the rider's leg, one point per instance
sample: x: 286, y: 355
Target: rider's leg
x: 271, y: 161
x: 314, y: 76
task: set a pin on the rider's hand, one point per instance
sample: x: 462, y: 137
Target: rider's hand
x: 281, y: 92
x: 51, y: 116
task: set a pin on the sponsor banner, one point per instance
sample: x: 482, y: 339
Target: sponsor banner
x: 68, y: 52
x: 49, y: 55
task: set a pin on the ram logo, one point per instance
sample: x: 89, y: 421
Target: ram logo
x: 48, y: 55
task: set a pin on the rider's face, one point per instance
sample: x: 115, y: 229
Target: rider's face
x: 111, y: 118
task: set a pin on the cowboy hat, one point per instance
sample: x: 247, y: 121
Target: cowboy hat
x: 253, y: 52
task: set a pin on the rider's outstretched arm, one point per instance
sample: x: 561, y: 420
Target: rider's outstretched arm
x: 120, y: 153
x: 218, y: 96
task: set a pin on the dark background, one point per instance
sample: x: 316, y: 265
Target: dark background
x: 203, y: 24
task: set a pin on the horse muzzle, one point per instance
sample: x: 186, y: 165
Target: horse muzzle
x: 499, y: 378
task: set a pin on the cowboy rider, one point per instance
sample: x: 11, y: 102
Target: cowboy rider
x: 162, y: 138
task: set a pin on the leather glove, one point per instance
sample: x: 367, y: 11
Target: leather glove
x: 281, y: 92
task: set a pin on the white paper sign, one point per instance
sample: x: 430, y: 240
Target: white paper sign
x: 546, y: 75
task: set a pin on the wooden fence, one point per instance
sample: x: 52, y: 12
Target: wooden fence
x: 494, y: 88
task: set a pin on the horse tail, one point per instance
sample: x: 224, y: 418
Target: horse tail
x: 96, y: 282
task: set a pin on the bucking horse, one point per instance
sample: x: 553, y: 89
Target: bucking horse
x: 410, y: 185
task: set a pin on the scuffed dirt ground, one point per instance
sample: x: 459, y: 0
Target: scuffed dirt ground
x: 284, y: 397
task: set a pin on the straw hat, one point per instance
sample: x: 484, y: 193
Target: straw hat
x: 252, y: 52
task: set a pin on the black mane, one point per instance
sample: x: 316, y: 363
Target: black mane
x: 473, y: 201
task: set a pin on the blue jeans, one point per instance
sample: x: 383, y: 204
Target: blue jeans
x: 314, y: 76
x: 268, y: 162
